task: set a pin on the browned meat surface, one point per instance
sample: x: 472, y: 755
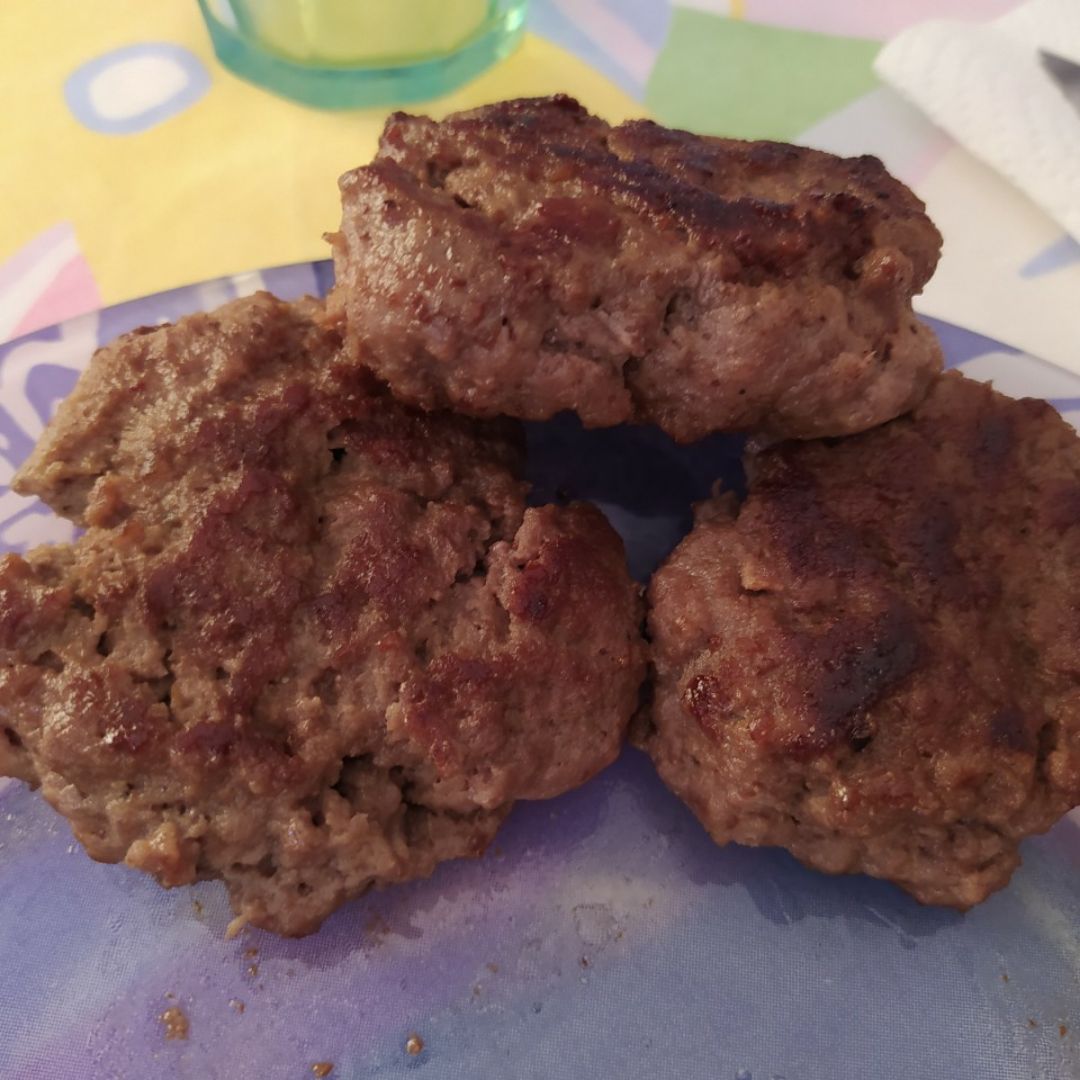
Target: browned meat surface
x: 526, y: 258
x: 312, y: 640
x: 875, y: 662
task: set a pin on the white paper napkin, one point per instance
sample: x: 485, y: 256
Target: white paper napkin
x: 985, y: 85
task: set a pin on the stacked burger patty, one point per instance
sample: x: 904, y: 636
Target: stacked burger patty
x: 313, y: 638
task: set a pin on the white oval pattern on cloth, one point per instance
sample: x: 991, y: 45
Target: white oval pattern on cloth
x: 135, y: 88
x: 131, y: 87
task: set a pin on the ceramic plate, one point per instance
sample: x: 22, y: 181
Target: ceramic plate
x: 603, y: 935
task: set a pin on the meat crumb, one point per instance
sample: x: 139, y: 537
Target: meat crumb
x: 414, y: 1045
x: 237, y: 1005
x: 175, y: 1022
x: 322, y: 1068
x: 376, y: 928
x: 235, y: 926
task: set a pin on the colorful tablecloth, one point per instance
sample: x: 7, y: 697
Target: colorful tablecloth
x: 134, y: 162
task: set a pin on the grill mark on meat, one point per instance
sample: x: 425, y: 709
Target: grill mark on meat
x: 1010, y: 730
x: 995, y: 445
x: 859, y: 665
x: 567, y: 219
x: 812, y: 541
x: 930, y: 545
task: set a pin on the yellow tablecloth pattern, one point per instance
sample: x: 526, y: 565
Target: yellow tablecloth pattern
x: 238, y: 179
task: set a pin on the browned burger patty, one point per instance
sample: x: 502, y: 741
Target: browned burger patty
x: 526, y: 257
x: 312, y: 640
x: 875, y: 662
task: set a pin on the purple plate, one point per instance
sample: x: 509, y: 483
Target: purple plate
x: 603, y: 935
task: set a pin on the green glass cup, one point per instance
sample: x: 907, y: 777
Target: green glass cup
x: 348, y: 54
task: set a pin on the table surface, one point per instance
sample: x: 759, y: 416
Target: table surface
x: 135, y: 163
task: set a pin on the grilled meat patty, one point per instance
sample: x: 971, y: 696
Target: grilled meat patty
x: 526, y: 257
